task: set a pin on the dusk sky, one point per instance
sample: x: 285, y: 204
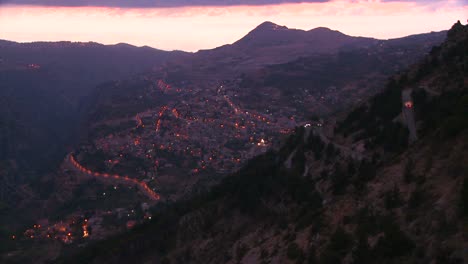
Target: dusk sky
x: 202, y: 24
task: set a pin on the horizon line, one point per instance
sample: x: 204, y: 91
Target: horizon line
x: 206, y: 49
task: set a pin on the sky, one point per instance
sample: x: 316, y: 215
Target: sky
x: 191, y: 25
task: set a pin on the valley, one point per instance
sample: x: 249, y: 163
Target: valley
x: 151, y: 140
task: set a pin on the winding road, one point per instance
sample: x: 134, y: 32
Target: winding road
x: 115, y: 178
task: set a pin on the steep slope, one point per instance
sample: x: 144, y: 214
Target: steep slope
x: 360, y: 195
x: 82, y: 64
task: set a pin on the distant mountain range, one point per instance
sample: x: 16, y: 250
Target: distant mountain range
x: 270, y: 43
x: 318, y: 40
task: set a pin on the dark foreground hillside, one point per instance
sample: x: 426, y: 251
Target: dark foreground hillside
x: 357, y: 192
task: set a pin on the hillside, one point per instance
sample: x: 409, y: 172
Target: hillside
x: 186, y: 120
x: 82, y: 65
x: 43, y: 84
x: 270, y: 43
x: 319, y: 40
x: 360, y: 190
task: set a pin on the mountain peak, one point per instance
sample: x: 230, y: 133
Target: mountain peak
x: 269, y: 34
x: 267, y: 25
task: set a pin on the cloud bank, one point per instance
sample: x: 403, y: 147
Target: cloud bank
x: 152, y: 3
x: 177, y: 3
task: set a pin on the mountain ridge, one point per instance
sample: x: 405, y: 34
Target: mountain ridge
x: 66, y: 43
x: 262, y: 29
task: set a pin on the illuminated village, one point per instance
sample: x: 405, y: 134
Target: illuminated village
x: 198, y: 130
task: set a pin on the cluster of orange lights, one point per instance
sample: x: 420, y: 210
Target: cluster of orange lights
x: 142, y: 185
x: 85, y: 229
x: 175, y: 112
x: 139, y: 121
x: 161, y: 113
x: 136, y: 141
x: 236, y: 110
x: 163, y: 86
